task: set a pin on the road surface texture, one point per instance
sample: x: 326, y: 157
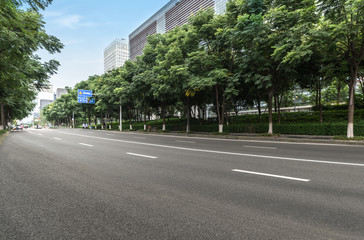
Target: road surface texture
x: 84, y: 184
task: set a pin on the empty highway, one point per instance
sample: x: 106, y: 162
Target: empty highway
x: 84, y: 184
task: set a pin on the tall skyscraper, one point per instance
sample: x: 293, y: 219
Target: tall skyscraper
x: 116, y: 54
x: 174, y: 13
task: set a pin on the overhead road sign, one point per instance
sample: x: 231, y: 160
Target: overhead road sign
x: 85, y: 96
x: 86, y: 93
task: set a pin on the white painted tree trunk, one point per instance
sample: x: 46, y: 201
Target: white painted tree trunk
x: 164, y: 127
x: 221, y: 128
x: 270, y: 130
x: 131, y: 127
x: 350, y: 132
x: 145, y: 127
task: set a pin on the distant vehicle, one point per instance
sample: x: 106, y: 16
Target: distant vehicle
x: 38, y: 127
x: 26, y: 126
x: 17, y: 127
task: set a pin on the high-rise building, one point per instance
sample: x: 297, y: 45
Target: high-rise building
x: 60, y: 92
x: 174, y: 13
x: 116, y: 54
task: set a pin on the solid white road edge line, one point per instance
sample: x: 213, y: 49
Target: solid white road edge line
x: 57, y: 138
x: 220, y: 152
x: 84, y: 144
x: 252, y: 140
x: 272, y: 175
x: 185, y: 141
x: 273, y: 148
x: 140, y: 155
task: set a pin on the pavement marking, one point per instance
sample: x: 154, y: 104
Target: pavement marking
x: 273, y: 148
x: 255, y: 141
x: 271, y: 175
x: 30, y: 132
x: 140, y: 155
x: 185, y: 141
x: 84, y: 144
x: 39, y: 134
x: 57, y: 138
x: 221, y: 152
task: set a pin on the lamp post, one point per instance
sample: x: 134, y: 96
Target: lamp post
x: 121, y: 117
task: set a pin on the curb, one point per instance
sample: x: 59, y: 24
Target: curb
x: 284, y: 138
x: 3, y: 136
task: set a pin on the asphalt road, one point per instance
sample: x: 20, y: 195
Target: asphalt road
x: 84, y: 184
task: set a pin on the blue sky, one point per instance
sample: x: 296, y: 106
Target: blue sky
x: 86, y: 28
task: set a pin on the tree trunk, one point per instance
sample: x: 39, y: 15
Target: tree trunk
x: 270, y: 103
x: 188, y: 116
x: 2, y: 113
x: 320, y: 105
x: 220, y: 112
x: 338, y: 96
x: 350, y: 130
x: 275, y: 104
x: 130, y: 116
x: 145, y: 117
x: 164, y: 117
x: 279, y: 108
x: 259, y: 108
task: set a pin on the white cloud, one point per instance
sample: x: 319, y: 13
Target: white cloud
x: 70, y: 21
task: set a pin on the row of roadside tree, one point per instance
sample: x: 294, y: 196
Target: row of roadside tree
x: 22, y: 73
x: 257, y: 51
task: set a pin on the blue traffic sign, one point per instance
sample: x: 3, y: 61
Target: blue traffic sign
x: 82, y: 99
x: 86, y: 93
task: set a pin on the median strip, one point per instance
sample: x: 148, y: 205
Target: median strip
x: 271, y: 175
x: 140, y: 155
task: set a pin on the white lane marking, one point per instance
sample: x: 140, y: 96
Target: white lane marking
x: 255, y: 141
x: 84, y: 144
x: 271, y: 175
x: 39, y: 134
x: 30, y: 132
x: 57, y: 138
x: 185, y: 141
x: 140, y: 155
x: 220, y: 152
x: 273, y: 148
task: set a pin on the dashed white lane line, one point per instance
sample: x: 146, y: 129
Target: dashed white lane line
x: 84, y: 144
x: 273, y: 148
x: 184, y: 141
x: 35, y: 133
x: 220, y: 152
x: 140, y: 155
x: 271, y: 175
x: 57, y: 138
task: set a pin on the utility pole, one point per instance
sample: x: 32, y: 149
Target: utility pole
x: 73, y: 119
x: 121, y: 117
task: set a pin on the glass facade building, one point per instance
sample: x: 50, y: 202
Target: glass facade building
x: 174, y: 13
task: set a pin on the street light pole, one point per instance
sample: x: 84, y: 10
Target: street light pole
x: 121, y: 117
x: 73, y: 119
